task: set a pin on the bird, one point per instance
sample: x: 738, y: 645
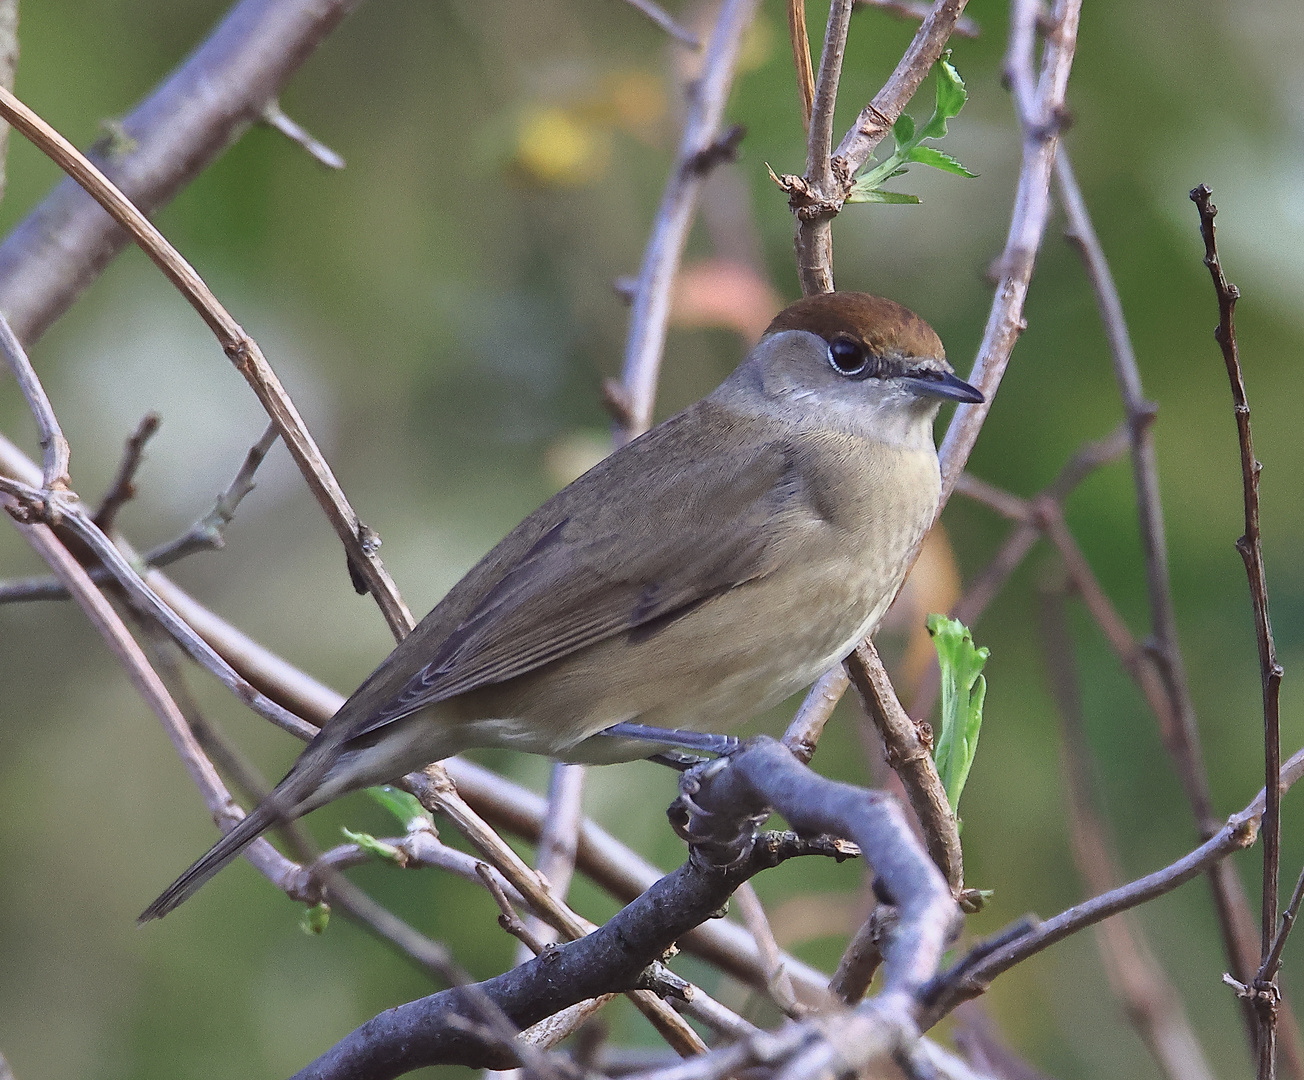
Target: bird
x: 698, y: 575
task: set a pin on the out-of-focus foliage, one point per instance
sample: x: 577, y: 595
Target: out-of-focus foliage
x: 443, y: 312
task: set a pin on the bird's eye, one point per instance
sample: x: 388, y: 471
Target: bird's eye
x: 848, y: 357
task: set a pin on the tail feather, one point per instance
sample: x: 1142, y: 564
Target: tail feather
x: 262, y: 818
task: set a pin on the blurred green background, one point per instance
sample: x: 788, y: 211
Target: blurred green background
x: 443, y: 313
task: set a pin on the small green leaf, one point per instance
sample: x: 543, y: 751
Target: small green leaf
x: 877, y: 196
x: 401, y: 804
x: 951, y: 96
x: 375, y: 847
x: 927, y: 155
x: 963, y: 691
x: 904, y: 130
x: 314, y: 919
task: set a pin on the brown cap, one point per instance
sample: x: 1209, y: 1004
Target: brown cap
x: 883, y: 325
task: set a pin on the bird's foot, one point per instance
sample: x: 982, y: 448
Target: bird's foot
x: 703, y: 741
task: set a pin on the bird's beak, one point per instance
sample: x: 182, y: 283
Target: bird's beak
x: 944, y: 385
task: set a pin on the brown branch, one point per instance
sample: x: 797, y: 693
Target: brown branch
x: 1031, y: 206
x: 777, y: 982
x: 973, y: 974
x: 242, y: 350
x: 1250, y: 545
x: 175, y: 133
x: 911, y: 759
x: 650, y: 313
x: 1149, y: 999
x: 803, y: 733
x: 800, y: 38
x: 814, y: 203
x: 123, y: 488
x: 558, y: 840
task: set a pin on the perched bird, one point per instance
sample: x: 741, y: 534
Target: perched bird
x: 697, y: 576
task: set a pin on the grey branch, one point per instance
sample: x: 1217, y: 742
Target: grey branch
x: 651, y: 309
x: 175, y: 133
x: 662, y: 18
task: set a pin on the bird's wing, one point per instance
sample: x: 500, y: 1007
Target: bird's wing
x: 574, y: 586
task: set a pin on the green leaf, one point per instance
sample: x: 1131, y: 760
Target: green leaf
x: 951, y: 96
x: 314, y: 919
x: 401, y: 804
x: 963, y: 691
x: 927, y: 155
x: 877, y: 196
x: 904, y: 130
x: 375, y: 847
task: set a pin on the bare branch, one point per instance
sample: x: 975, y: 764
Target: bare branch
x: 803, y: 734
x: 758, y: 925
x: 912, y: 760
x: 54, y: 447
x: 175, y: 133
x: 1250, y: 545
x: 800, y: 38
x: 917, y: 11
x: 123, y: 488
x: 971, y: 976
x: 662, y: 18
x: 651, y: 309
x: 359, y: 542
x: 1150, y: 1000
x: 817, y: 207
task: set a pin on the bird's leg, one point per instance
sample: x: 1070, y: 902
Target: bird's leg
x: 723, y: 745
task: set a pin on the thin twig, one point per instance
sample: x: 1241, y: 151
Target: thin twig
x: 758, y: 925
x: 968, y: 979
x: 1250, y: 545
x: 360, y: 544
x: 123, y: 488
x: 174, y: 134
x: 1149, y: 999
x: 663, y: 19
x: 559, y: 840
x: 207, y: 534
x: 912, y: 760
x: 917, y: 11
x: 54, y: 447
x: 800, y: 38
x: 64, y: 509
x: 1273, y: 963
x: 803, y: 734
x: 814, y: 242
x: 650, y: 313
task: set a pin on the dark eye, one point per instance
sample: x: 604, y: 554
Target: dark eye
x: 848, y: 356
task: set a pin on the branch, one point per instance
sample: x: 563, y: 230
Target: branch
x: 359, y: 542
x: 1250, y: 545
x: 917, y: 11
x: 662, y: 18
x: 814, y: 242
x: 912, y: 760
x: 175, y: 133
x: 54, y: 447
x: 972, y: 975
x: 610, y: 960
x: 207, y: 534
x: 1149, y: 999
x: 651, y: 308
x: 123, y: 488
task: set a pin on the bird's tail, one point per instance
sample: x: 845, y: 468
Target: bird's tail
x: 259, y: 820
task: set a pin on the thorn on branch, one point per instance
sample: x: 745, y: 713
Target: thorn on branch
x: 275, y: 118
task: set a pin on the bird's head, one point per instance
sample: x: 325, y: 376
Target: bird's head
x: 854, y: 361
